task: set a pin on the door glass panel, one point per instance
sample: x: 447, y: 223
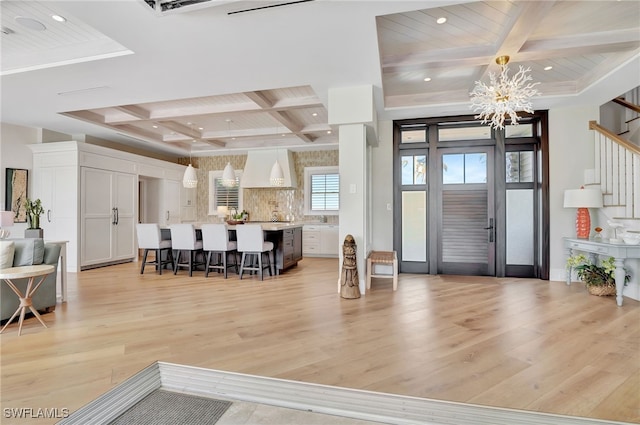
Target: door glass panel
x: 414, y: 169
x: 414, y: 226
x: 453, y: 169
x: 414, y: 136
x: 519, y: 167
x: 464, y: 133
x: 520, y: 130
x: 464, y: 168
x: 520, y: 227
x: 475, y: 168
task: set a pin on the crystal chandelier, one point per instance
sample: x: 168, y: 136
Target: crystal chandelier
x: 504, y: 96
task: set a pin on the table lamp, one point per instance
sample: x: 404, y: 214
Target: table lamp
x: 583, y: 199
x: 223, y: 212
x: 6, y: 220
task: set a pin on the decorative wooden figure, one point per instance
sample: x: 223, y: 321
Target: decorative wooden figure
x: 349, y: 281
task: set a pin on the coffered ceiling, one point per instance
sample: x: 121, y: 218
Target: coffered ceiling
x: 219, y: 76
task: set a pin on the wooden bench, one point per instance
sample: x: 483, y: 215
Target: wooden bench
x: 383, y: 258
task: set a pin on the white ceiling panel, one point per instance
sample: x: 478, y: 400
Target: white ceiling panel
x: 233, y: 81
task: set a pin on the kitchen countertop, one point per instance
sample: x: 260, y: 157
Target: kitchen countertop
x: 273, y: 225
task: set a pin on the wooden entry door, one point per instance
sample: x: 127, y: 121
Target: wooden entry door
x: 466, y: 218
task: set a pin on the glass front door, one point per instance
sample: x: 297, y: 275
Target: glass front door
x: 466, y: 219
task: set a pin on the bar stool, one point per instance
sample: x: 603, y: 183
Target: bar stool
x: 150, y: 239
x: 215, y: 241
x: 183, y: 238
x: 251, y: 243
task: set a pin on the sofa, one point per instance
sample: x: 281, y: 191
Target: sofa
x: 26, y: 252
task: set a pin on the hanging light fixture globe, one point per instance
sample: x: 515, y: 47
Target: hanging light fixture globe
x: 228, y: 176
x: 277, y: 175
x: 504, y: 96
x: 190, y: 178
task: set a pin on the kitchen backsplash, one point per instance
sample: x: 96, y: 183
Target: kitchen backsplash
x: 260, y: 203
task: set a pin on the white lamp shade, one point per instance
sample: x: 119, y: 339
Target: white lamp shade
x: 190, y: 179
x: 6, y: 218
x: 277, y: 175
x: 222, y: 211
x: 228, y: 176
x: 583, y: 198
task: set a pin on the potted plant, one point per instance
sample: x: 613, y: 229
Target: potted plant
x: 238, y: 217
x: 598, y: 278
x: 34, y: 210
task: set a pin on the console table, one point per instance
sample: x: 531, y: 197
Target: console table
x: 63, y: 268
x: 619, y: 252
x: 30, y: 272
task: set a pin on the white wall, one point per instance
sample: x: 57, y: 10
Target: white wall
x: 382, y: 189
x: 14, y: 153
x: 571, y: 151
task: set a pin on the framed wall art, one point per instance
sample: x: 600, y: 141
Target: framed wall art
x: 17, y: 184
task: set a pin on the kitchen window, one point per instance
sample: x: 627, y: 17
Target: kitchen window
x: 321, y: 190
x: 220, y: 195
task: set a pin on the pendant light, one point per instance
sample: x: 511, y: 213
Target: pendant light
x: 276, y: 178
x: 277, y: 175
x: 190, y: 178
x: 228, y: 176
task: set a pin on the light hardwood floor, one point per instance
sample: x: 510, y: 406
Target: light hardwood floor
x: 517, y: 343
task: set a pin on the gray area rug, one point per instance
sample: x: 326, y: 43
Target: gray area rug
x: 169, y: 408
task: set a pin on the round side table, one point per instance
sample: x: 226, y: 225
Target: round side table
x: 30, y: 272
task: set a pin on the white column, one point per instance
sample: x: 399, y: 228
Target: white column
x: 352, y: 109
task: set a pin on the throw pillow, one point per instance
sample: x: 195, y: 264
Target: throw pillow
x: 6, y: 254
x: 28, y: 252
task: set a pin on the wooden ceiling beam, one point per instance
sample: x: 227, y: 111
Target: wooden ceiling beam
x: 180, y: 128
x: 516, y: 33
x: 135, y: 110
x: 260, y: 99
x: 214, y: 142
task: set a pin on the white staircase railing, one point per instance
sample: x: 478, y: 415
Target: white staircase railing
x: 617, y: 166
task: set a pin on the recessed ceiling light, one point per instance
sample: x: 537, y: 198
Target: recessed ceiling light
x: 31, y: 23
x: 315, y: 114
x: 441, y: 20
x: 328, y: 131
x: 200, y: 128
x: 548, y: 68
x: 58, y: 18
x: 154, y: 126
x: 427, y: 79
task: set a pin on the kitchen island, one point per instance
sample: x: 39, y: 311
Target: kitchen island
x: 287, y: 243
x: 286, y: 238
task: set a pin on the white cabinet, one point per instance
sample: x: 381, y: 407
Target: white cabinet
x: 170, y: 202
x: 108, y: 200
x: 90, y: 196
x: 320, y: 240
x: 188, y: 210
x: 329, y: 244
x: 55, y: 183
x: 310, y: 240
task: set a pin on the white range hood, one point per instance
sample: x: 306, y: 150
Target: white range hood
x: 257, y: 169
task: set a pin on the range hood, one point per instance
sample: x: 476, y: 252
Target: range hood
x: 257, y: 169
